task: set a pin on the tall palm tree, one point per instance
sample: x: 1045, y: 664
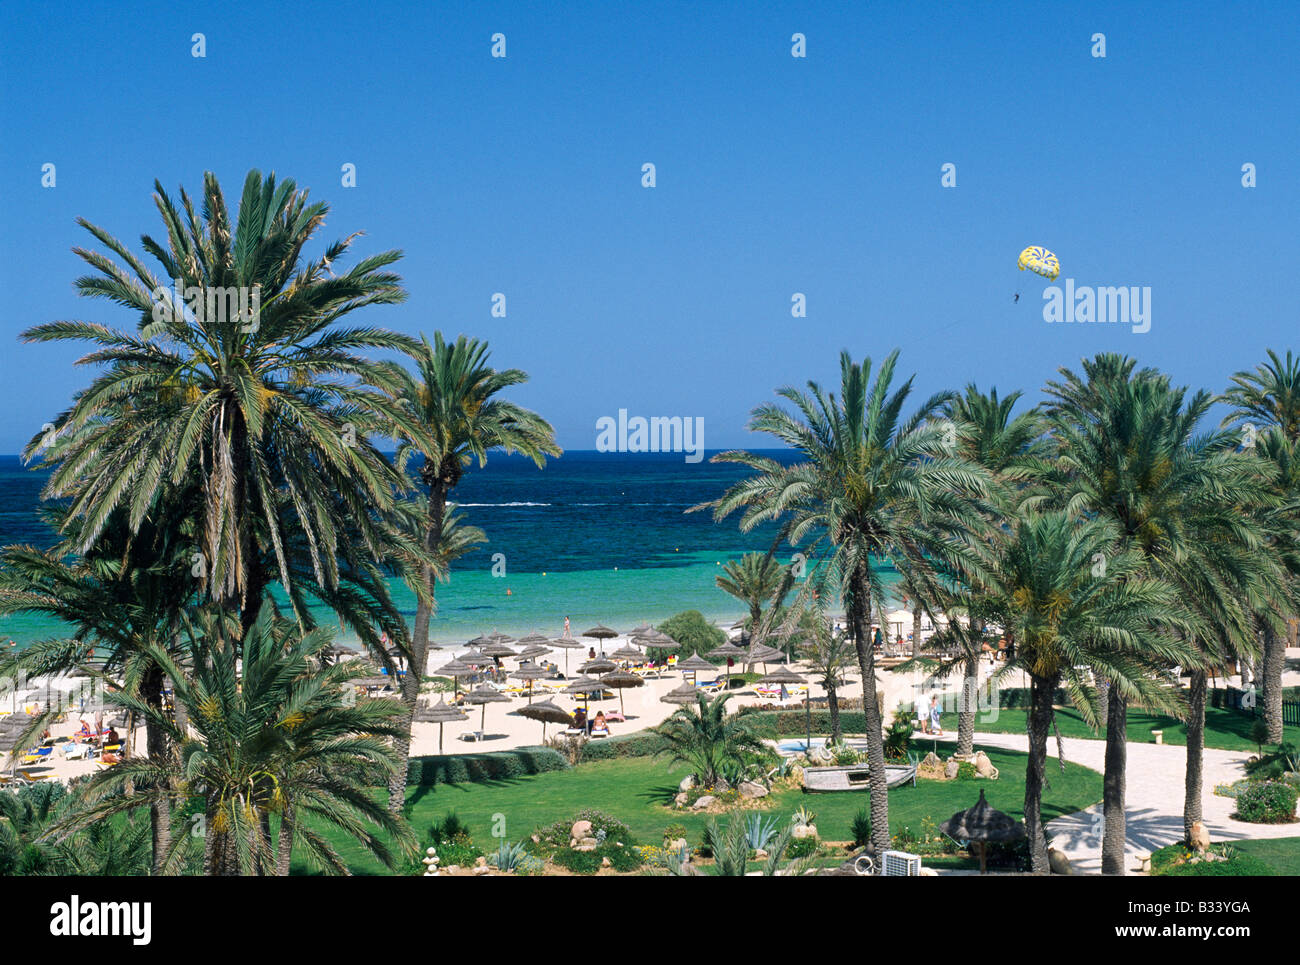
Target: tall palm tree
x: 830, y: 655
x: 705, y: 737
x: 1040, y: 581
x: 1268, y: 401
x: 1128, y: 448
x: 263, y: 407
x: 754, y: 579
x: 271, y: 734
x: 871, y: 485
x: 1009, y: 447
x: 450, y: 413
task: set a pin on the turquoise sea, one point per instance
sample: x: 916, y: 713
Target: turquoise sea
x: 597, y: 537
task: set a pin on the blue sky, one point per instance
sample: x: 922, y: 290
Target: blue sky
x: 775, y: 175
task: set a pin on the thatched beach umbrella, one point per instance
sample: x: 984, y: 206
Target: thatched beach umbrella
x: 548, y: 713
x: 566, y: 643
x: 620, y: 680
x: 484, y: 695
x: 533, y: 651
x: 530, y: 672
x: 497, y: 648
x: 496, y: 636
x: 683, y: 693
x: 532, y: 639
x: 598, y: 665
x: 585, y: 686
x: 440, y: 713
x: 981, y: 824
x: 761, y: 653
x: 782, y: 675
x: 457, y: 671
x: 476, y: 657
x: 627, y: 652
x: 694, y: 664
x: 601, y: 633
x: 480, y: 641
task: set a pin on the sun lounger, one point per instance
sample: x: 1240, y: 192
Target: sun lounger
x: 74, y: 752
x: 604, y: 732
x: 36, y: 755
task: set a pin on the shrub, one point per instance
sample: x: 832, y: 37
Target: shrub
x: 1175, y: 861
x: 966, y: 771
x: 474, y: 768
x: 1275, y: 765
x: 801, y: 848
x: 1267, y: 802
x: 693, y: 632
x: 898, y: 739
x: 513, y: 857
x: 862, y: 828
x: 674, y: 832
x: 639, y: 744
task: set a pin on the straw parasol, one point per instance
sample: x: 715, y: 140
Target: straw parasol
x: 981, y: 824
x: 695, y: 663
x: 658, y: 639
x: 480, y: 641
x: 477, y: 658
x: 566, y: 643
x: 532, y: 651
x: 530, y: 672
x: 783, y: 675
x: 585, y: 686
x: 498, y: 637
x: 497, y: 648
x: 761, y: 653
x: 627, y: 652
x: 620, y: 680
x: 598, y: 665
x: 683, y: 693
x: 484, y: 695
x: 456, y: 670
x: 533, y: 639
x: 601, y: 633
x: 548, y: 712
x: 440, y: 713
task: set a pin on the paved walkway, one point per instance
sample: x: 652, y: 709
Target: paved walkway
x: 1153, y: 800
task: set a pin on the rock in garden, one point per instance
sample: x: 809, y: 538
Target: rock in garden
x: 687, y: 783
x: 1200, y: 838
x: 800, y: 831
x: 950, y: 769
x: 702, y: 802
x: 680, y: 799
x: 482, y: 870
x: 752, y: 789
x: 1058, y: 863
x: 605, y: 863
x: 586, y: 844
x: 932, y: 760
x: 678, y: 845
x: 580, y: 830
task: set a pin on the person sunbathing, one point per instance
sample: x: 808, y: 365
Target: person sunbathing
x: 600, y: 723
x: 85, y: 733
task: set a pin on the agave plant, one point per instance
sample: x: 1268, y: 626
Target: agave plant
x: 759, y: 829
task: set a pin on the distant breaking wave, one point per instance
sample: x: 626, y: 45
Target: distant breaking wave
x: 501, y: 504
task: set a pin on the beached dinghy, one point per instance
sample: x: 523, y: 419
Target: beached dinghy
x: 855, y: 777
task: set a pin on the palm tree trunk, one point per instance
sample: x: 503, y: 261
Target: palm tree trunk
x: 833, y: 706
x: 969, y: 704
x: 284, y: 848
x: 916, y: 629
x: 435, y: 515
x: 1113, y: 827
x: 1195, y: 751
x: 859, y: 608
x: 155, y: 742
x: 1103, y: 702
x: 1274, y: 662
x: 1041, y: 692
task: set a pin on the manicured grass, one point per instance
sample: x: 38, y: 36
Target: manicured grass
x: 1224, y: 729
x: 1259, y: 857
x: 636, y: 790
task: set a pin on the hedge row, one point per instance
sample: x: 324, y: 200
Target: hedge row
x: 641, y: 744
x: 490, y: 766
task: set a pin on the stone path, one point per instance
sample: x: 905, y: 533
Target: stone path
x: 1153, y: 801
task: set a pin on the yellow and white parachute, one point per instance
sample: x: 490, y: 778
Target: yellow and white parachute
x: 1040, y: 261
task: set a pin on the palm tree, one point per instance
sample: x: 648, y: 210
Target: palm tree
x: 872, y: 485
x: 450, y: 414
x: 754, y: 579
x: 830, y: 656
x: 1040, y: 581
x: 1128, y: 449
x: 264, y: 408
x: 272, y: 735
x: 706, y: 737
x: 125, y: 596
x: 1267, y: 400
x: 1008, y: 447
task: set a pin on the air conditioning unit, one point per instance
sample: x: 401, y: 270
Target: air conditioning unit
x: 901, y: 864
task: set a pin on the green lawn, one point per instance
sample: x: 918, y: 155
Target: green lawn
x: 1224, y: 729
x: 635, y: 790
x: 1253, y: 858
